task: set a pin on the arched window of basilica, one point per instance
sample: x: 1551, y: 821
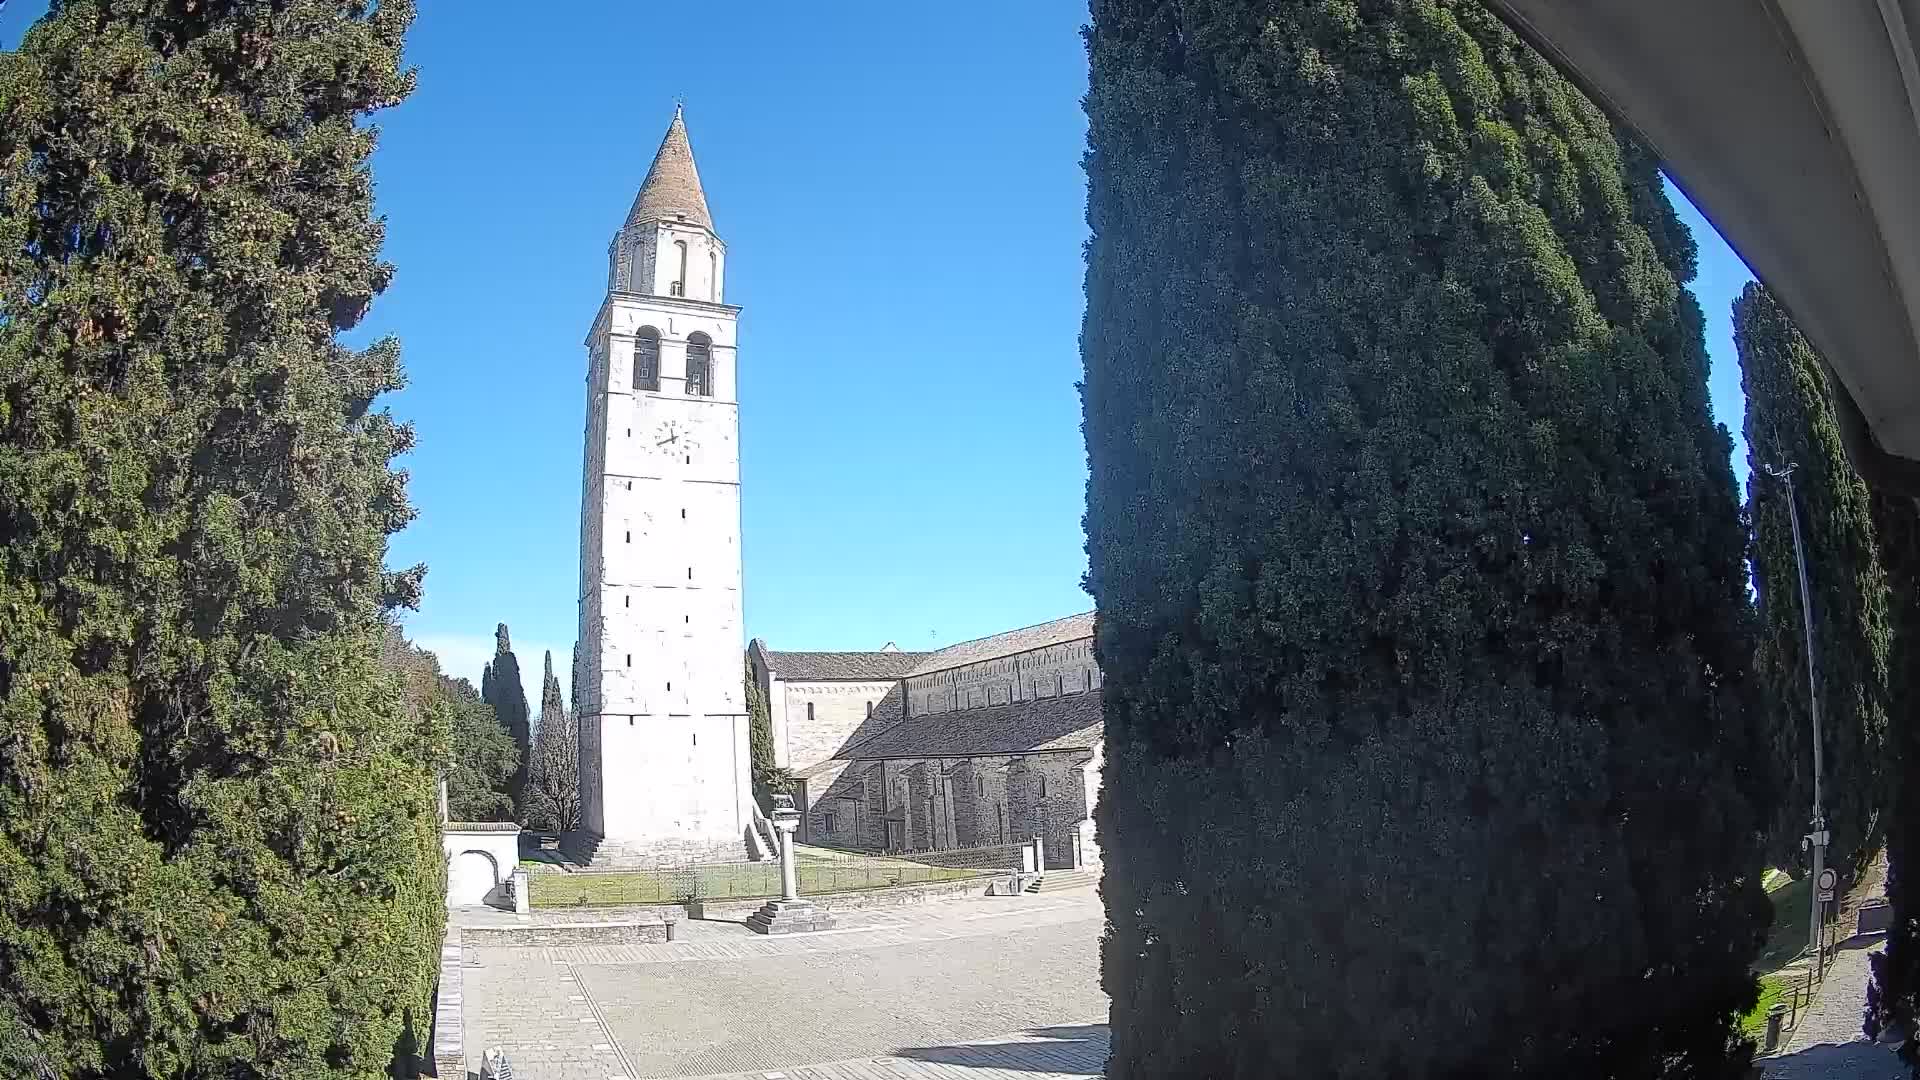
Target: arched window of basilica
x: 680, y: 281
x: 699, y: 366
x: 646, y: 359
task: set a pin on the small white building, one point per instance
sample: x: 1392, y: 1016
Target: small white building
x: 481, y: 857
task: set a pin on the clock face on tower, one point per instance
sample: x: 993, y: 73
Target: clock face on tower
x: 673, y: 439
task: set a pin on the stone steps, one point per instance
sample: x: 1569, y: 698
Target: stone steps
x: 1061, y: 881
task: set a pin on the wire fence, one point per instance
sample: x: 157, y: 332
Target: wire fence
x: 818, y: 870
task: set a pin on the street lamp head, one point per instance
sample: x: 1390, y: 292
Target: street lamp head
x: 1780, y: 472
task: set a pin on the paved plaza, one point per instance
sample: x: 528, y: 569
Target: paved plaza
x: 973, y: 988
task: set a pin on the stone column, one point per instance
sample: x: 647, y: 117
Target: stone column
x: 790, y: 914
x: 785, y: 822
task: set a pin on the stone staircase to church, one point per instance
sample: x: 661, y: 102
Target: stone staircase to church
x: 1061, y: 881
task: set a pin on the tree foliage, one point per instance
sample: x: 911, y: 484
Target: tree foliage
x: 1418, y: 563
x: 769, y: 778
x: 553, y: 784
x: 1893, y: 995
x: 219, y: 852
x: 480, y: 756
x: 501, y: 688
x: 1790, y: 419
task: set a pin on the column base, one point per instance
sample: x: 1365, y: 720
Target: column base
x: 789, y: 917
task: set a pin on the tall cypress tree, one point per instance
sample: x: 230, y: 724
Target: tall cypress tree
x: 501, y: 689
x: 1790, y: 419
x: 1893, y: 995
x: 1418, y: 563
x: 553, y: 782
x: 219, y: 850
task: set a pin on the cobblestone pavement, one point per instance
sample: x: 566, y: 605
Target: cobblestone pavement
x: 1827, y: 1044
x: 965, y: 988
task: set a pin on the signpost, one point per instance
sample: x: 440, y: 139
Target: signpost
x: 1828, y: 879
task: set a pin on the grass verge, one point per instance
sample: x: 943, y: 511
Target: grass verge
x: 733, y: 881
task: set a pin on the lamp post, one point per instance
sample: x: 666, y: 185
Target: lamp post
x: 1817, y: 839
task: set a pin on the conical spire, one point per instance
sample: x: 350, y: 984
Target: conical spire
x: 672, y: 189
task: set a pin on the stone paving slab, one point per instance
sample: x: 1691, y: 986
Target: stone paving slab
x: 931, y: 993
x: 771, y: 1013
x: 1063, y: 1052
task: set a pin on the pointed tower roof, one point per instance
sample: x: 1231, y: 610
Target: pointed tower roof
x: 672, y: 189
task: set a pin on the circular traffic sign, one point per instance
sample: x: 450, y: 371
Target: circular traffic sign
x: 1828, y: 879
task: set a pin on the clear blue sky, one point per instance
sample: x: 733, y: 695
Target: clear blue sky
x: 900, y: 190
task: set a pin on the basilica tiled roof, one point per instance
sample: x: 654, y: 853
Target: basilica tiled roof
x: 1070, y: 722
x: 841, y: 666
x: 1025, y: 639
x: 672, y: 190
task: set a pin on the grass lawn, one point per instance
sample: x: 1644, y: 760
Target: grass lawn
x: 1773, y: 990
x: 1788, y: 935
x: 728, y: 881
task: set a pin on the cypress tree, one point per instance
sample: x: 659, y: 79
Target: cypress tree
x: 553, y: 783
x: 509, y: 701
x: 1893, y: 994
x: 1418, y: 563
x: 1790, y: 419
x: 219, y: 849
x: 768, y: 778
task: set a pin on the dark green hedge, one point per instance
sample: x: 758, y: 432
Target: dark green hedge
x: 1418, y: 562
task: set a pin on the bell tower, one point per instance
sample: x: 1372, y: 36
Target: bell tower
x: 664, y: 770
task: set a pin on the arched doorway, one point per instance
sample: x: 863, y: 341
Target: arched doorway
x: 471, y: 878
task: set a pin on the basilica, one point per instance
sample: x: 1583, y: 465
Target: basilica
x: 987, y: 742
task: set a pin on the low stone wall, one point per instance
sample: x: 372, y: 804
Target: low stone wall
x: 638, y: 931
x: 448, y: 1039
x: 892, y: 896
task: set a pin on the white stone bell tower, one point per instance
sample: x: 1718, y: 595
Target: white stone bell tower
x: 663, y: 727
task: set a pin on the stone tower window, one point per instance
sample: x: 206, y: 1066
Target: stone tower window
x: 679, y: 287
x: 809, y: 712
x: 646, y: 359
x: 869, y: 710
x: 699, y: 366
x: 713, y: 276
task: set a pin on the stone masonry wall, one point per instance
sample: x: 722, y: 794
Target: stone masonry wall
x: 1066, y: 668
x: 839, y: 708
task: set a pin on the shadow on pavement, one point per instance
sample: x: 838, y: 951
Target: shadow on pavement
x: 1068, y: 1049
x: 1859, y: 1060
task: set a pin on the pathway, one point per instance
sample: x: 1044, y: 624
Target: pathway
x: 980, y: 987
x: 1827, y: 1044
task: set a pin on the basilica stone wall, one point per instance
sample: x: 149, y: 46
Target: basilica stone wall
x: 812, y: 720
x: 1066, y: 668
x: 929, y: 804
